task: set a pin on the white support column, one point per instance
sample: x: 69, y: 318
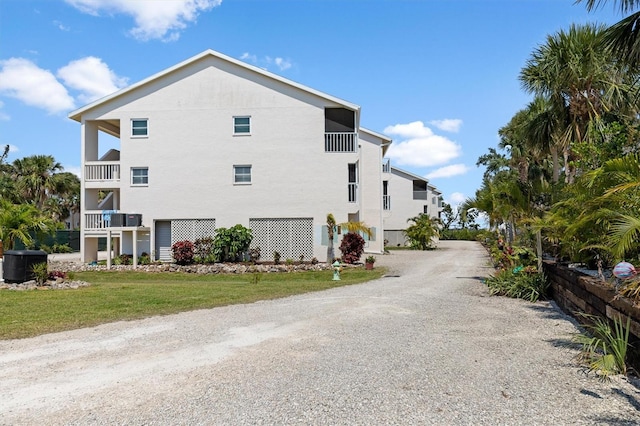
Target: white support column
x: 135, y: 248
x: 108, y: 248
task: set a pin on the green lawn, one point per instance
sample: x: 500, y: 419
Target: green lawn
x: 116, y: 296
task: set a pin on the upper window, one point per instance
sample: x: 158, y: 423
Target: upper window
x: 139, y: 176
x: 139, y: 127
x: 242, y: 174
x: 242, y: 125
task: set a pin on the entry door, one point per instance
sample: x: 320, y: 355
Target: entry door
x: 163, y: 241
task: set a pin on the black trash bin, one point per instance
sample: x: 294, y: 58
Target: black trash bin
x: 17, y: 264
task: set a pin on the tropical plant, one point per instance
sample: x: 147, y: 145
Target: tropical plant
x: 352, y: 247
x: 331, y: 224
x: 604, y: 349
x: 183, y: 252
x: 518, y: 283
x: 276, y: 257
x: 230, y: 243
x: 203, y: 250
x: 423, y: 232
x: 21, y: 222
x: 40, y: 272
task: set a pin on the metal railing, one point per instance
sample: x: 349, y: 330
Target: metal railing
x: 102, y: 171
x: 353, y: 192
x: 340, y: 142
x: 96, y: 220
x: 386, y: 166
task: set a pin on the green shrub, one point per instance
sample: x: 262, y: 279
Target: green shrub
x: 61, y: 248
x: 604, y: 350
x: 276, y: 257
x: 519, y: 283
x: 40, y: 272
x: 461, y: 234
x: 229, y: 244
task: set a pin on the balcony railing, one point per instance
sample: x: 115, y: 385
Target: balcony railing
x: 339, y: 142
x: 420, y: 195
x: 386, y: 202
x: 102, y: 171
x: 96, y: 219
x: 353, y: 192
x: 386, y: 166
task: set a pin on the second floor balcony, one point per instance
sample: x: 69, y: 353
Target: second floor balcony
x: 340, y: 142
x: 101, y: 172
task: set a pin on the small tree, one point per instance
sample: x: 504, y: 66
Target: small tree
x: 422, y: 233
x: 229, y: 244
x: 331, y: 224
x: 182, y: 252
x: 352, y: 247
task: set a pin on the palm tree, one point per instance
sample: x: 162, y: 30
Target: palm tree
x: 331, y: 224
x: 622, y: 38
x: 580, y: 80
x: 35, y: 179
x: 21, y: 222
x: 424, y: 230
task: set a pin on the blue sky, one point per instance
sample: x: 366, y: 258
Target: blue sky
x: 438, y: 76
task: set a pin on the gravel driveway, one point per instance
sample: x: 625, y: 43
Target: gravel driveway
x: 424, y: 345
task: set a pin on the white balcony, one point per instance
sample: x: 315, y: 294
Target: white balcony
x: 340, y: 142
x: 102, y: 172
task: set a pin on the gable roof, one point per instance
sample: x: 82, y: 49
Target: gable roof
x: 386, y: 140
x: 408, y: 175
x: 77, y: 114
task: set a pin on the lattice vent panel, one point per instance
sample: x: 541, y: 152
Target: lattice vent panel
x: 290, y: 237
x: 192, y: 229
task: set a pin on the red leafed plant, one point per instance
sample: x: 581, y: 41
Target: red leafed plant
x: 352, y: 247
x: 183, y: 252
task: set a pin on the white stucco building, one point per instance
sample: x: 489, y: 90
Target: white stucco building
x: 213, y: 142
x: 405, y: 195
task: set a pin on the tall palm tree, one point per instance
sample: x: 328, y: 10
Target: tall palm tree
x: 581, y: 80
x: 622, y: 38
x: 21, y: 222
x: 35, y: 179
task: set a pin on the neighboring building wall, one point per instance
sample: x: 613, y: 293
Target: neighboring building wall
x: 190, y: 152
x: 406, y: 203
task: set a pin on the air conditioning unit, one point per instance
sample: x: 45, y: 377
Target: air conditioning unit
x: 117, y: 220
x: 133, y: 219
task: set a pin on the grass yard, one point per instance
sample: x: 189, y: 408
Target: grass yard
x: 118, y: 296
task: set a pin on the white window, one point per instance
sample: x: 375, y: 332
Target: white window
x: 242, y: 174
x: 140, y: 176
x: 242, y: 125
x: 139, y: 127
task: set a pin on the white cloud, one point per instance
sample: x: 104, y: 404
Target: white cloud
x: 154, y: 19
x: 419, y: 146
x: 448, y: 124
x: 267, y: 61
x: 13, y: 148
x: 61, y: 26
x: 283, y: 64
x: 91, y: 77
x: 3, y: 115
x: 34, y: 86
x: 456, y: 198
x: 448, y: 171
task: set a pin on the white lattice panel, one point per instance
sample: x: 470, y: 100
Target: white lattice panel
x: 290, y: 237
x: 192, y: 229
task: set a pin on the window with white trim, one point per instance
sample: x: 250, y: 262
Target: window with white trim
x: 242, y: 174
x: 139, y: 127
x: 139, y: 176
x: 242, y: 125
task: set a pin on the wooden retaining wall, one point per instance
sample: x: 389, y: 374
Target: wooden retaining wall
x: 576, y: 292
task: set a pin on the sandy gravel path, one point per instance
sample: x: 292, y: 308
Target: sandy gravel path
x: 426, y: 346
